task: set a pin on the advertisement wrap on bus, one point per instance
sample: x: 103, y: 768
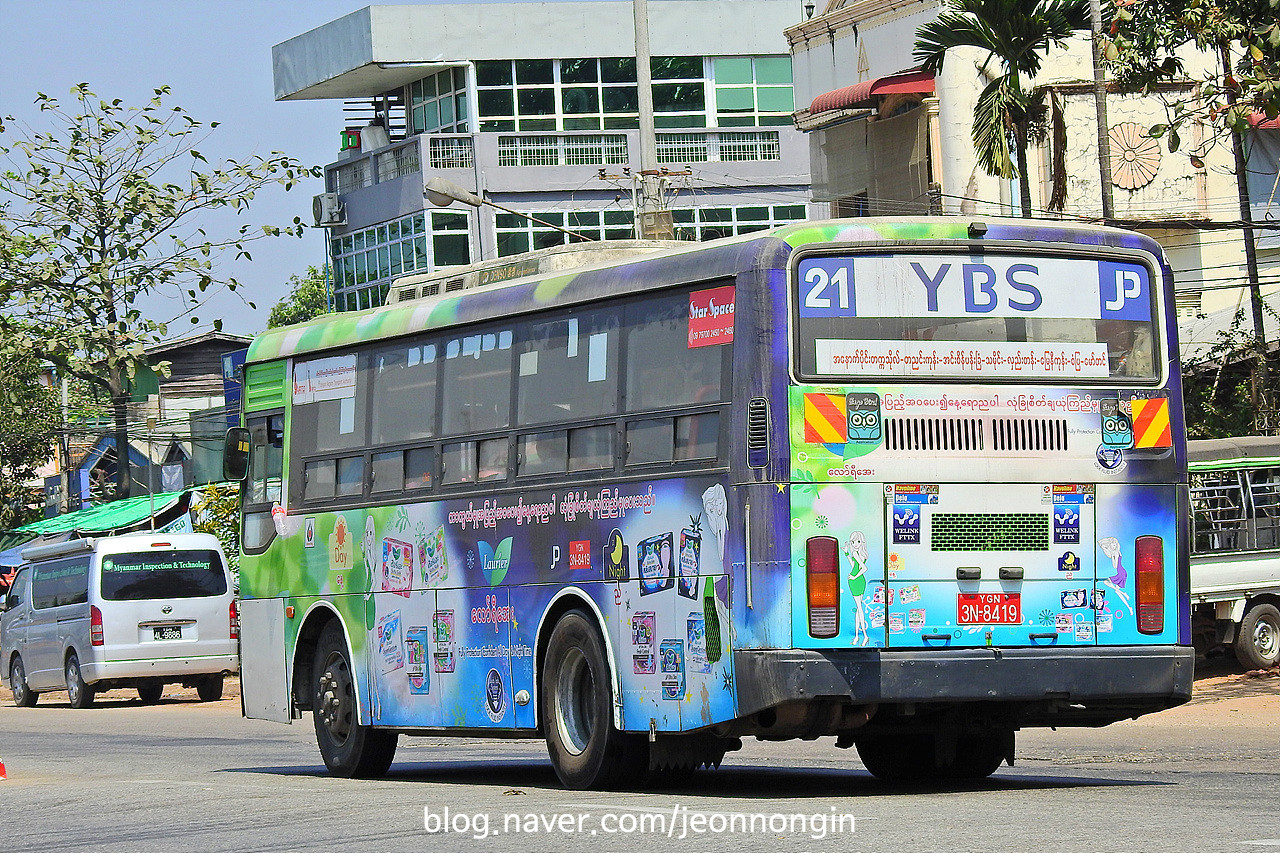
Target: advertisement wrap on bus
x: 916, y: 484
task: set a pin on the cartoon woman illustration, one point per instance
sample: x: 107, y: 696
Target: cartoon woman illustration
x: 855, y: 551
x: 1111, y: 547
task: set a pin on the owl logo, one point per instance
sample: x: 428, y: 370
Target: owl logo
x: 864, y: 416
x: 1117, y: 430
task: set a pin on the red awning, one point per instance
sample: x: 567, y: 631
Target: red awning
x: 1261, y: 122
x: 862, y: 95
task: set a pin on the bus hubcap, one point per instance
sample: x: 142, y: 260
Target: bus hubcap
x: 334, y: 707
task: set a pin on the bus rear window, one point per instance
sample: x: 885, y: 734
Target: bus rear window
x: 975, y: 317
x: 148, y: 575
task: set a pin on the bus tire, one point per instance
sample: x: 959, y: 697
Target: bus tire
x: 79, y: 694
x: 576, y: 700
x: 977, y: 755
x: 1257, y: 644
x: 210, y: 689
x: 350, y: 750
x: 150, y: 693
x: 899, y: 758
x: 23, y: 695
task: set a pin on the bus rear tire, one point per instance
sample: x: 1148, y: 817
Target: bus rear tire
x: 1257, y: 644
x: 150, y: 693
x: 350, y: 750
x: 210, y: 689
x: 586, y: 750
x: 916, y: 757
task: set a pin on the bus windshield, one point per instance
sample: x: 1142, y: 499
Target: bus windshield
x: 991, y: 316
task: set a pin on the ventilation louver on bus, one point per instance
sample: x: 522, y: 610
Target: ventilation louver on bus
x: 1021, y: 434
x: 989, y: 531
x: 933, y: 434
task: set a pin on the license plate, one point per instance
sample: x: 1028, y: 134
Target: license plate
x: 168, y: 632
x: 989, y: 608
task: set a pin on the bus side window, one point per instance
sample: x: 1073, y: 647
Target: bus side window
x: 266, y: 462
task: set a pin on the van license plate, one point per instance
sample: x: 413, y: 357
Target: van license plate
x: 169, y: 632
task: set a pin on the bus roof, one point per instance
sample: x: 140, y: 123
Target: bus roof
x: 1246, y: 451
x: 686, y: 265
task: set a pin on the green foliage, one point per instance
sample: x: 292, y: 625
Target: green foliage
x: 1016, y: 34
x: 29, y: 420
x: 108, y: 205
x: 1142, y: 55
x: 1219, y: 391
x: 308, y: 298
x: 216, y: 509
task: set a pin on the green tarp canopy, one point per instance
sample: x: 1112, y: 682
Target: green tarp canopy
x: 115, y: 517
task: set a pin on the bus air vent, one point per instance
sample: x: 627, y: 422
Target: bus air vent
x: 933, y: 434
x: 407, y: 293
x: 453, y: 284
x: 432, y: 289
x: 758, y: 432
x: 1028, y: 434
x: 989, y: 531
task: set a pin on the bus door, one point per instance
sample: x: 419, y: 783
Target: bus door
x: 992, y: 564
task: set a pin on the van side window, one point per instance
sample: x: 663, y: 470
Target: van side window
x: 60, y: 582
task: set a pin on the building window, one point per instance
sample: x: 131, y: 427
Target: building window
x: 753, y: 91
x: 365, y: 261
x: 710, y: 223
x: 438, y: 104
x: 518, y: 234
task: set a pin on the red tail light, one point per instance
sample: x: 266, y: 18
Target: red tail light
x: 95, y: 625
x: 1149, y: 558
x: 822, y: 567
x: 234, y: 616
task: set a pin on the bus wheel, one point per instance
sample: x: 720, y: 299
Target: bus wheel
x: 80, y: 694
x: 977, y: 756
x: 899, y: 758
x: 1258, y: 642
x: 150, y: 693
x: 210, y: 689
x: 23, y: 695
x: 349, y: 749
x: 577, y: 711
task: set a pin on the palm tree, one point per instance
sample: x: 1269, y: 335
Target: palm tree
x: 1016, y: 33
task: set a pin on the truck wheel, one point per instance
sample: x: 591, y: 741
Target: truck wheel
x: 80, y: 694
x: 1258, y: 641
x: 576, y: 700
x: 349, y: 749
x: 23, y: 695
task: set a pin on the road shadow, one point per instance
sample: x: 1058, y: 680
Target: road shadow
x: 1221, y: 677
x: 729, y: 782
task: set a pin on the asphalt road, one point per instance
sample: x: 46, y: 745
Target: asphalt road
x: 188, y: 776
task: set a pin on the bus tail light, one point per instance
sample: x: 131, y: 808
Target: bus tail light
x: 822, y: 567
x: 234, y: 617
x: 1149, y: 559
x: 95, y: 625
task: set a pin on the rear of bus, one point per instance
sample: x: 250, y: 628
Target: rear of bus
x: 987, y: 481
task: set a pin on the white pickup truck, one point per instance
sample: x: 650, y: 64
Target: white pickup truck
x: 1235, y: 546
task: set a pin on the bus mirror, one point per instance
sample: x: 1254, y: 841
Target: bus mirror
x: 235, y: 454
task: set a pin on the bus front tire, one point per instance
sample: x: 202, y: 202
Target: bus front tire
x: 350, y: 750
x: 78, y: 693
x: 1257, y: 644
x: 586, y: 750
x: 23, y: 695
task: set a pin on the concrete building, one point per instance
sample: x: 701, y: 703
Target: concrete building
x: 535, y: 108
x: 886, y: 138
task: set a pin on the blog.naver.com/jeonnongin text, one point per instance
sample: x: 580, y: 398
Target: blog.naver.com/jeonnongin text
x: 676, y: 823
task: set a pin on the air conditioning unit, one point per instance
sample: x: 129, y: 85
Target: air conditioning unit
x: 328, y: 211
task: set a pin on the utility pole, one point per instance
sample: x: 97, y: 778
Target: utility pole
x: 654, y: 218
x: 1100, y: 104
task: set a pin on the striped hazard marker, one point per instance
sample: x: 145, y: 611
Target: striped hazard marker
x: 1151, y: 423
x: 825, y: 419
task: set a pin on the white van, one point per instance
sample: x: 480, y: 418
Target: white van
x: 141, y: 610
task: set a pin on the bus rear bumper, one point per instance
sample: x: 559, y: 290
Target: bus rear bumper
x: 1079, y: 686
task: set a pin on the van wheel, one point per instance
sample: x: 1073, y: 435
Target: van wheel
x: 23, y: 695
x: 349, y: 749
x: 150, y: 693
x: 577, y: 711
x: 1257, y: 645
x: 80, y: 694
x: 210, y: 689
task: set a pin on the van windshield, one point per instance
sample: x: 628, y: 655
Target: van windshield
x: 162, y: 574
